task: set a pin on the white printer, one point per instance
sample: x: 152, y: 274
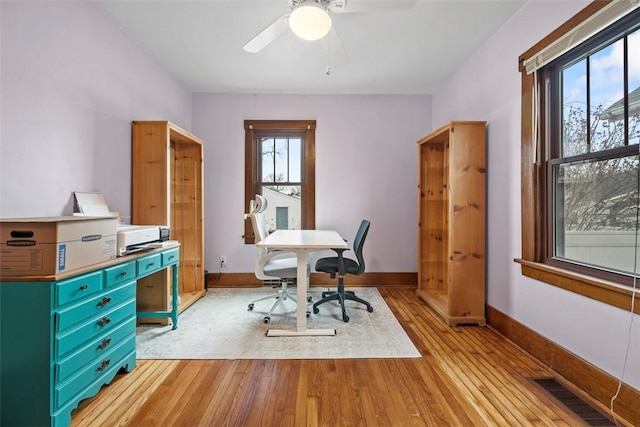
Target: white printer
x: 130, y: 238
x: 135, y: 238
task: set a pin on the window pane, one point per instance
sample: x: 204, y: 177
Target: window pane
x: 574, y: 109
x: 268, y: 154
x: 282, y: 200
x: 633, y: 50
x: 282, y: 156
x: 606, y: 88
x: 282, y: 218
x: 595, y: 212
x: 295, y: 159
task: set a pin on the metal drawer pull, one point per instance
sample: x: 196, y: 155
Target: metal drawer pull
x: 171, y: 257
x: 104, y: 301
x: 104, y: 365
x: 105, y: 342
x: 124, y: 273
x: 151, y: 264
x: 84, y: 287
x: 104, y: 321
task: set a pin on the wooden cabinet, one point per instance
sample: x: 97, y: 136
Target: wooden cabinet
x: 167, y: 189
x: 65, y: 336
x: 451, y: 222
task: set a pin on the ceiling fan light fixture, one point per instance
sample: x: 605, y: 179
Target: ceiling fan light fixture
x: 310, y: 21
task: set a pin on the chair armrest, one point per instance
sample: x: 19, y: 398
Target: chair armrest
x: 340, y: 259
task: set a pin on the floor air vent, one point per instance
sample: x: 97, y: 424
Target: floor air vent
x: 582, y: 409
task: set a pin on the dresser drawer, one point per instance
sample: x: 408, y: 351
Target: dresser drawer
x: 65, y: 342
x: 170, y: 257
x: 97, y: 348
x: 149, y: 264
x: 121, y: 273
x: 79, y: 287
x: 93, y: 307
x: 96, y: 369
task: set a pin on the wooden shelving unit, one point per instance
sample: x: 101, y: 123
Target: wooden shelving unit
x: 451, y: 222
x: 167, y: 189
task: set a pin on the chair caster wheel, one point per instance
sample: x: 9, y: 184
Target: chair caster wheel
x: 250, y: 307
x: 308, y: 313
x: 316, y: 310
x: 309, y: 299
x: 267, y: 320
x: 345, y: 319
x: 370, y: 309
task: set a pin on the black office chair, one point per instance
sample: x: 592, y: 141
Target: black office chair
x: 341, y: 266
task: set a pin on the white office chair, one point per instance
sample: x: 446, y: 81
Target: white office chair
x: 271, y: 264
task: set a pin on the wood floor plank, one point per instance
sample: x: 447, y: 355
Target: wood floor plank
x: 466, y: 376
x: 126, y: 395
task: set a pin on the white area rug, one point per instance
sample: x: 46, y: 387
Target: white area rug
x: 219, y: 326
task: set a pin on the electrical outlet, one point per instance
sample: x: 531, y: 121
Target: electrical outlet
x: 223, y: 263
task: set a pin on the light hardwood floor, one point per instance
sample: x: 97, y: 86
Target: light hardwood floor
x: 467, y: 376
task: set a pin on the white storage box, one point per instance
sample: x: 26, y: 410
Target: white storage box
x: 52, y: 245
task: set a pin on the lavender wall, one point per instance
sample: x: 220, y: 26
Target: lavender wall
x: 366, y: 167
x: 488, y: 88
x: 71, y: 84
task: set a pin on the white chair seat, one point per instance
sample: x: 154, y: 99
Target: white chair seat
x: 287, y: 267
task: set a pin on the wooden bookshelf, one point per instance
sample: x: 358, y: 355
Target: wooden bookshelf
x: 168, y: 190
x: 451, y: 222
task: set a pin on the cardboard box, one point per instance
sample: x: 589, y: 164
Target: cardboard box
x: 52, y: 245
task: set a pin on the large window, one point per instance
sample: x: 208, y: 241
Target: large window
x: 593, y: 123
x: 580, y: 159
x: 279, y: 165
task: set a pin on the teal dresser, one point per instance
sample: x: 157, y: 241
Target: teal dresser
x: 63, y: 337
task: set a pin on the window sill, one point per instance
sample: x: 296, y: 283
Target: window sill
x: 600, y: 290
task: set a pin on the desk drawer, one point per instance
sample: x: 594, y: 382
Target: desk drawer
x: 89, y: 331
x: 97, y: 348
x: 79, y: 287
x: 93, y: 307
x: 76, y: 384
x: 149, y: 264
x: 121, y: 273
x: 169, y: 257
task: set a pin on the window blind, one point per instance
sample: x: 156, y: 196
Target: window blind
x: 597, y: 22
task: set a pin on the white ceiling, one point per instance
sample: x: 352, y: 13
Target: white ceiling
x: 410, y: 51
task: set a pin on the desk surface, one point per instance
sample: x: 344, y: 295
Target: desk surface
x: 86, y: 268
x: 303, y: 239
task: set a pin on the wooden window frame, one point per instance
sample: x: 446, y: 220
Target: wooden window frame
x: 252, y: 181
x: 534, y: 197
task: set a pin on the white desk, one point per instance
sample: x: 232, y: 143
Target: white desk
x: 302, y: 242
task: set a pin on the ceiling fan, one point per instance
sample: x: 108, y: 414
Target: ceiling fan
x: 311, y: 20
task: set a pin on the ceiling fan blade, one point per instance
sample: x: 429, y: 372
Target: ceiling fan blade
x: 349, y: 6
x: 333, y: 48
x: 269, y: 34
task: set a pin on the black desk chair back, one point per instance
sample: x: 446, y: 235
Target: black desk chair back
x: 341, y: 266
